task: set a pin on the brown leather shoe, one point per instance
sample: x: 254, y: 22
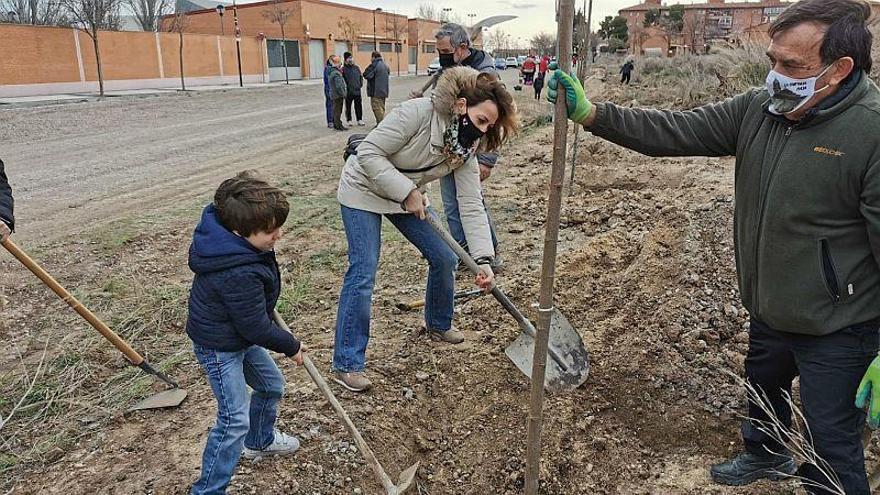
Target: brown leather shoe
x: 356, y: 381
x: 451, y: 336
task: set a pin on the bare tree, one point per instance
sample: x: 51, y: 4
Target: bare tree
x: 35, y: 12
x: 428, y: 11
x: 149, y: 12
x: 179, y: 24
x: 693, y: 31
x: 498, y: 42
x: 276, y: 13
x: 396, y: 28
x: 349, y: 30
x: 544, y: 43
x: 93, y: 16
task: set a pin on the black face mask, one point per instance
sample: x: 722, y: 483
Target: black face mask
x: 468, y: 133
x: 447, y: 60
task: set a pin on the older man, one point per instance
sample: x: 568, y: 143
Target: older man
x: 454, y: 48
x: 7, y: 219
x: 806, y: 228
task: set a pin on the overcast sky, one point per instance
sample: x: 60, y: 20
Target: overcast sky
x: 533, y: 16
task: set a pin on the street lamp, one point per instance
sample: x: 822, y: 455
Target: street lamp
x: 375, y: 39
x: 238, y: 42
x: 446, y: 11
x: 471, y: 17
x: 220, y: 10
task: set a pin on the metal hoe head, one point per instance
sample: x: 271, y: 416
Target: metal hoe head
x: 566, y: 343
x: 167, y: 398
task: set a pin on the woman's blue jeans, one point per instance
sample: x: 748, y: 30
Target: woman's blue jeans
x: 363, y: 230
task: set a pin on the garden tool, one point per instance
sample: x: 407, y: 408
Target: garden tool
x: 569, y: 363
x: 168, y: 398
x: 406, y: 477
x: 411, y: 305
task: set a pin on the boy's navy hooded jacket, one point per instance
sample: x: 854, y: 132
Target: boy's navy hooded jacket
x: 6, y: 202
x: 234, y: 292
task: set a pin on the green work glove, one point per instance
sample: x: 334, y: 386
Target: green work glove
x: 869, y: 393
x: 579, y: 107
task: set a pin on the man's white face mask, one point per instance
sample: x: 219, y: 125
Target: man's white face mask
x: 788, y: 94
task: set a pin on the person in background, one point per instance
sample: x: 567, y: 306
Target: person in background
x: 377, y: 85
x: 328, y: 101
x: 338, y: 90
x: 626, y: 71
x: 353, y: 82
x: 539, y: 85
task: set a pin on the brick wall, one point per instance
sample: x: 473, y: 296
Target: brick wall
x: 47, y: 60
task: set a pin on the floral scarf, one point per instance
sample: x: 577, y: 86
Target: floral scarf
x: 454, y: 151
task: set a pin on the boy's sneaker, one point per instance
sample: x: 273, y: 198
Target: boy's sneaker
x: 348, y: 124
x: 355, y: 381
x: 451, y: 336
x: 283, y: 444
x: 361, y: 123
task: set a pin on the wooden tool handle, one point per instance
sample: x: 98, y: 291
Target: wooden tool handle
x: 340, y: 411
x: 67, y: 297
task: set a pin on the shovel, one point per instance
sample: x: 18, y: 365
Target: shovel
x: 411, y: 305
x: 569, y: 363
x: 406, y: 477
x: 168, y: 398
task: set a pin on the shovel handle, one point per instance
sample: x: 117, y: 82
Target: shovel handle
x: 527, y: 327
x: 77, y: 306
x: 319, y: 380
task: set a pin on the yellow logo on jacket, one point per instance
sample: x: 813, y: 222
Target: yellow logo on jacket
x: 828, y: 151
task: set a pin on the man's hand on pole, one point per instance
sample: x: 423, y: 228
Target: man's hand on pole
x: 416, y: 203
x: 580, y: 109
x: 4, y: 231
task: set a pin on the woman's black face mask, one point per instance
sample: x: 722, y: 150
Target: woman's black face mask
x: 468, y: 133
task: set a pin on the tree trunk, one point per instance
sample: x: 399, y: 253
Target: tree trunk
x: 182, y: 79
x: 284, y: 54
x: 98, y: 60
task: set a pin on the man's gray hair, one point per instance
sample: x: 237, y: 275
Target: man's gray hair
x: 457, y: 33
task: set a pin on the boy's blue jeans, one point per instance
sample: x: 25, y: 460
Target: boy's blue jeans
x: 449, y: 194
x: 241, y: 419
x: 363, y: 230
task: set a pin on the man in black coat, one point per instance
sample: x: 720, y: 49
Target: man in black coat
x: 7, y: 220
x: 377, y: 85
x: 353, y: 82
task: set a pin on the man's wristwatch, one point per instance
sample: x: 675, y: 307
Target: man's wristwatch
x: 484, y: 260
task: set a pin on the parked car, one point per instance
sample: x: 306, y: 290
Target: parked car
x: 433, y: 67
x: 500, y: 63
x: 511, y: 62
x: 520, y: 60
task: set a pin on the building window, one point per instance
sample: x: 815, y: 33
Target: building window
x: 398, y: 48
x: 366, y: 47
x: 384, y: 47
x: 428, y: 48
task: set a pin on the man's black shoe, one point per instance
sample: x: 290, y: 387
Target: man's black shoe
x: 747, y: 468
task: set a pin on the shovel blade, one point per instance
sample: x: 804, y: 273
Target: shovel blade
x: 567, y: 343
x: 406, y: 478
x: 168, y: 398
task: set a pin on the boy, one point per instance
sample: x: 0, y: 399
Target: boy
x: 7, y: 219
x: 234, y: 292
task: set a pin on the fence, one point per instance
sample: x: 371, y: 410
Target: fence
x: 37, y: 60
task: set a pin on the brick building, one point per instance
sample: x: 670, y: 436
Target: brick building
x: 317, y: 29
x: 702, y: 24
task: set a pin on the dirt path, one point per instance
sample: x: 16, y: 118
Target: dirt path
x: 645, y: 274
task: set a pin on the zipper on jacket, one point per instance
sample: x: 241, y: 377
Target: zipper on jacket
x: 762, y: 204
x: 828, y: 270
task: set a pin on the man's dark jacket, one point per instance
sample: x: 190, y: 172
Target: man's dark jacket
x: 234, y: 292
x: 7, y: 205
x: 807, y: 210
x: 377, y: 79
x: 353, y: 80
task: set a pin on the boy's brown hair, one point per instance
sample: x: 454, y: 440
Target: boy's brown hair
x: 247, y: 204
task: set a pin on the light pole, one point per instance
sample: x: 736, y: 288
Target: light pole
x: 220, y: 10
x: 471, y: 17
x: 375, y: 39
x: 238, y: 42
x: 446, y: 11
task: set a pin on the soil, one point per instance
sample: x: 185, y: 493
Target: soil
x: 108, y: 195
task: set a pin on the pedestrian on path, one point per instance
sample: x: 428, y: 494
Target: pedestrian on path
x: 806, y: 230
x: 626, y: 71
x: 338, y: 90
x: 353, y: 82
x: 328, y: 100
x: 7, y: 205
x: 419, y: 142
x: 539, y: 85
x: 377, y: 85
